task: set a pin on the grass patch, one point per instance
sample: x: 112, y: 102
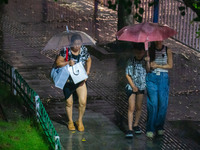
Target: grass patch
x: 22, y: 135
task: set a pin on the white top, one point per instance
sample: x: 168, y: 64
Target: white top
x: 161, y: 59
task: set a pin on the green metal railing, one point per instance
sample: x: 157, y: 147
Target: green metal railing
x: 19, y: 86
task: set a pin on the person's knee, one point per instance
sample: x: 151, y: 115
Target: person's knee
x: 82, y: 102
x: 69, y: 103
x: 139, y: 108
x: 131, y: 109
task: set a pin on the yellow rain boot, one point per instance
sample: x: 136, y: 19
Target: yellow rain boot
x: 80, y: 126
x: 71, y: 126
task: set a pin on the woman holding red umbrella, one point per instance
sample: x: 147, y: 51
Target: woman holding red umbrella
x: 158, y: 88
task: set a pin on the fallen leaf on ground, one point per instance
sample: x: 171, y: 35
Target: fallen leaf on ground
x: 83, y: 140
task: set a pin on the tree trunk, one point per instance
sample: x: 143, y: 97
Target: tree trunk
x: 124, y: 16
x: 96, y: 22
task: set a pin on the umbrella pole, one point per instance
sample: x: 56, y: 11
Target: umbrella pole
x: 146, y: 47
x: 147, y: 53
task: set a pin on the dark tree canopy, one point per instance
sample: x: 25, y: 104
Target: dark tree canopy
x: 125, y: 6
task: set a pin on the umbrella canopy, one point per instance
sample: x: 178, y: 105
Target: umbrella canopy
x: 63, y: 39
x: 145, y: 32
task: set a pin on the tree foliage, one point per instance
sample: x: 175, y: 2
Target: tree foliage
x: 195, y: 6
x: 128, y: 8
x: 192, y: 4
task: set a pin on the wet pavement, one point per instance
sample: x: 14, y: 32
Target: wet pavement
x: 26, y: 29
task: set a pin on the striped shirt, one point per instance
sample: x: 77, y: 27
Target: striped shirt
x: 161, y: 59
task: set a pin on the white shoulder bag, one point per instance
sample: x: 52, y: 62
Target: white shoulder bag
x: 77, y: 72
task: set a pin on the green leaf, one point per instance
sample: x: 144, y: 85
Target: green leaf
x: 117, y: 2
x: 198, y: 34
x: 110, y: 6
x: 136, y: 15
x: 140, y: 19
x: 136, y: 4
x: 181, y: 8
x: 129, y: 3
x: 183, y: 13
x: 109, y: 3
x: 195, y: 5
x: 141, y: 11
x: 196, y: 19
x: 114, y: 7
x: 128, y: 11
x: 152, y: 3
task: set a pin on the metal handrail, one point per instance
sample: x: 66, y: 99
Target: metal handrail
x: 19, y: 86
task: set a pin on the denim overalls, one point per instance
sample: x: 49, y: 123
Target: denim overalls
x: 157, y: 95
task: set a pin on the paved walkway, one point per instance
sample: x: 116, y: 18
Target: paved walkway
x: 25, y: 32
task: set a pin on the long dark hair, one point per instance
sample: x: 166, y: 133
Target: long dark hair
x: 138, y: 46
x: 152, y: 53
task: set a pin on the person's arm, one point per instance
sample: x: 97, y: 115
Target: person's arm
x: 169, y: 64
x: 61, y: 62
x: 88, y: 65
x: 148, y: 67
x: 135, y: 89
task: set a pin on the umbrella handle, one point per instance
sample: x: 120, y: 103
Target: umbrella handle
x: 146, y: 45
x: 147, y: 53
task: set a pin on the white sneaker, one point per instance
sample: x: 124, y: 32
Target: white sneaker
x: 161, y: 132
x: 150, y: 135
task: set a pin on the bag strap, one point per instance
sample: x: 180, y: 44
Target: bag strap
x: 67, y: 54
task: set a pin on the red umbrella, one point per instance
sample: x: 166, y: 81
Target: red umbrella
x: 145, y: 32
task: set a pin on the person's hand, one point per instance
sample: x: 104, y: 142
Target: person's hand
x: 135, y: 89
x: 71, y: 62
x: 147, y: 59
x: 154, y: 65
x: 88, y: 75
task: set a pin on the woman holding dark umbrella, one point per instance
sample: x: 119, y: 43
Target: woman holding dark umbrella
x: 158, y: 88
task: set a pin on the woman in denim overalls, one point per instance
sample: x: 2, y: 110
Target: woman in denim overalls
x: 158, y: 88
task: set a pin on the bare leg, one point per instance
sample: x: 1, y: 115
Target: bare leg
x: 82, y: 97
x: 131, y: 108
x: 139, y: 100
x: 69, y: 107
